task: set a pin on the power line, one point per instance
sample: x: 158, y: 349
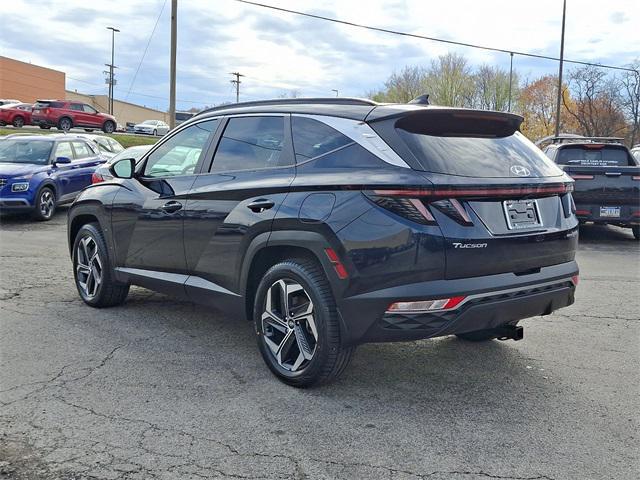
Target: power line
x: 237, y: 83
x: 433, y: 39
x: 144, y: 53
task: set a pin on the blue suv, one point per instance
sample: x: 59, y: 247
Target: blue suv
x: 40, y: 172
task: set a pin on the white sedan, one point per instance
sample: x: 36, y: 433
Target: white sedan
x: 151, y: 127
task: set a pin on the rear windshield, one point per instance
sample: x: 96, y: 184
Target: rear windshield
x: 25, y: 151
x: 473, y: 147
x: 48, y: 105
x: 594, y: 156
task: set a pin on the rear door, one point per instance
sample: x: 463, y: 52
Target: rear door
x: 501, y: 204
x: 148, y: 214
x: 86, y: 159
x: 64, y: 172
x: 235, y: 199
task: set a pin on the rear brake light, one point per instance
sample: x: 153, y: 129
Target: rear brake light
x: 96, y: 178
x: 454, y: 209
x: 575, y: 279
x: 410, y: 208
x: 636, y: 177
x: 594, y: 146
x: 488, y: 191
x: 583, y: 212
x: 426, y: 305
x: 582, y: 177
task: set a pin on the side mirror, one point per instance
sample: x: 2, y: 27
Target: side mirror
x: 123, y: 168
x: 61, y: 161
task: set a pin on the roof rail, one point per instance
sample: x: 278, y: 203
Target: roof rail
x: 573, y: 138
x: 295, y: 101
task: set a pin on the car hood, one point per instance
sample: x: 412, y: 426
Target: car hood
x: 19, y: 169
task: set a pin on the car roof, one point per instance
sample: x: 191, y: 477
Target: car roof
x: 352, y: 108
x: 50, y: 137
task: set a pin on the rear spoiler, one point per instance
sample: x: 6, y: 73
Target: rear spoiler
x: 572, y: 138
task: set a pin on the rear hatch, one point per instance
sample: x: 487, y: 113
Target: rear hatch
x: 500, y: 203
x: 607, y: 179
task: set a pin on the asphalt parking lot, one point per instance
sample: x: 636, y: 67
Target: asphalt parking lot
x: 159, y: 389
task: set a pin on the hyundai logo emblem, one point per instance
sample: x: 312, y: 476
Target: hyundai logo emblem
x: 520, y: 171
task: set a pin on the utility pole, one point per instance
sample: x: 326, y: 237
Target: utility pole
x: 334, y: 90
x: 510, y: 80
x: 558, y: 103
x: 237, y: 83
x: 172, y: 74
x: 111, y: 67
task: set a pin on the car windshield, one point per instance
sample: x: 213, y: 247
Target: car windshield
x: 25, y: 151
x: 594, y: 155
x: 132, y: 152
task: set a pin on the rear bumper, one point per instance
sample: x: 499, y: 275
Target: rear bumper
x: 629, y: 214
x: 491, y: 301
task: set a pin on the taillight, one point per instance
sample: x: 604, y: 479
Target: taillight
x: 581, y: 177
x: 454, y: 209
x: 96, y: 178
x: 426, y: 305
x: 636, y: 177
x: 482, y: 191
x: 412, y: 209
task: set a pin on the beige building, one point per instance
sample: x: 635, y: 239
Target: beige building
x: 124, y: 112
x: 28, y: 83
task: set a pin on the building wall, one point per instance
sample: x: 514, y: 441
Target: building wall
x: 123, y: 111
x: 28, y: 83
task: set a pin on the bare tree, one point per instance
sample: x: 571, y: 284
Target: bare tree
x: 492, y: 88
x: 630, y: 94
x: 402, y: 86
x: 450, y: 82
x: 596, y: 102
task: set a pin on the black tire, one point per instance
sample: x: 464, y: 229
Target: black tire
x: 18, y: 121
x: 636, y: 232
x: 65, y: 124
x: 108, y: 292
x: 155, y: 133
x: 108, y: 127
x: 329, y: 357
x: 477, y: 336
x: 45, y: 207
x: 45, y: 127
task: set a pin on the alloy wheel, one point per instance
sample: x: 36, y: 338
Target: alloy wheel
x: 46, y: 203
x: 88, y: 266
x: 288, y: 325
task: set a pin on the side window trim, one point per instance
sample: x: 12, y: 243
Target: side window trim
x: 287, y: 142
x: 168, y: 137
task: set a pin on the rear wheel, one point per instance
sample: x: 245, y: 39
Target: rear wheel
x: 45, y: 204
x: 477, y: 336
x: 18, y: 122
x: 65, y: 124
x: 636, y: 231
x: 92, y: 270
x: 108, y: 127
x: 297, y: 325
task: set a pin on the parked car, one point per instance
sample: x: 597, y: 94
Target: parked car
x: 151, y: 127
x: 40, y: 172
x: 607, y: 176
x: 107, y: 146
x: 182, y: 117
x: 65, y: 115
x: 635, y: 151
x: 334, y: 222
x: 103, y: 172
x: 17, y: 115
x: 9, y: 101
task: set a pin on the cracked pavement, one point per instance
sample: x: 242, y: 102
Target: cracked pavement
x: 163, y: 389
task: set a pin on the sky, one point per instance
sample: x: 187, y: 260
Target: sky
x: 280, y: 53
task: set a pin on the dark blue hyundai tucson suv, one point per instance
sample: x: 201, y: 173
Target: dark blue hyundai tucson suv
x: 334, y: 222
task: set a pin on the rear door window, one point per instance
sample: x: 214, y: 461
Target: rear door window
x: 82, y: 150
x: 64, y: 150
x: 250, y: 143
x: 594, y: 156
x: 318, y: 145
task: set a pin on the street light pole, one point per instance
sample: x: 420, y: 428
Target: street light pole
x: 559, y: 100
x: 172, y: 74
x: 111, y: 67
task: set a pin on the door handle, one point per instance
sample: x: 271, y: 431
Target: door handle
x: 260, y: 205
x: 171, y: 207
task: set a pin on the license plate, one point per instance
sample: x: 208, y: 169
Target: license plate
x: 522, y: 214
x: 611, y: 212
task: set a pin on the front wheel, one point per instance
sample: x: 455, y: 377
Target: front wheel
x: 636, y: 232
x: 45, y: 204
x: 297, y: 326
x: 108, y: 127
x: 92, y: 270
x: 18, y: 122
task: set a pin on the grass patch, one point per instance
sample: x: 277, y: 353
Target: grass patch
x: 125, y: 140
